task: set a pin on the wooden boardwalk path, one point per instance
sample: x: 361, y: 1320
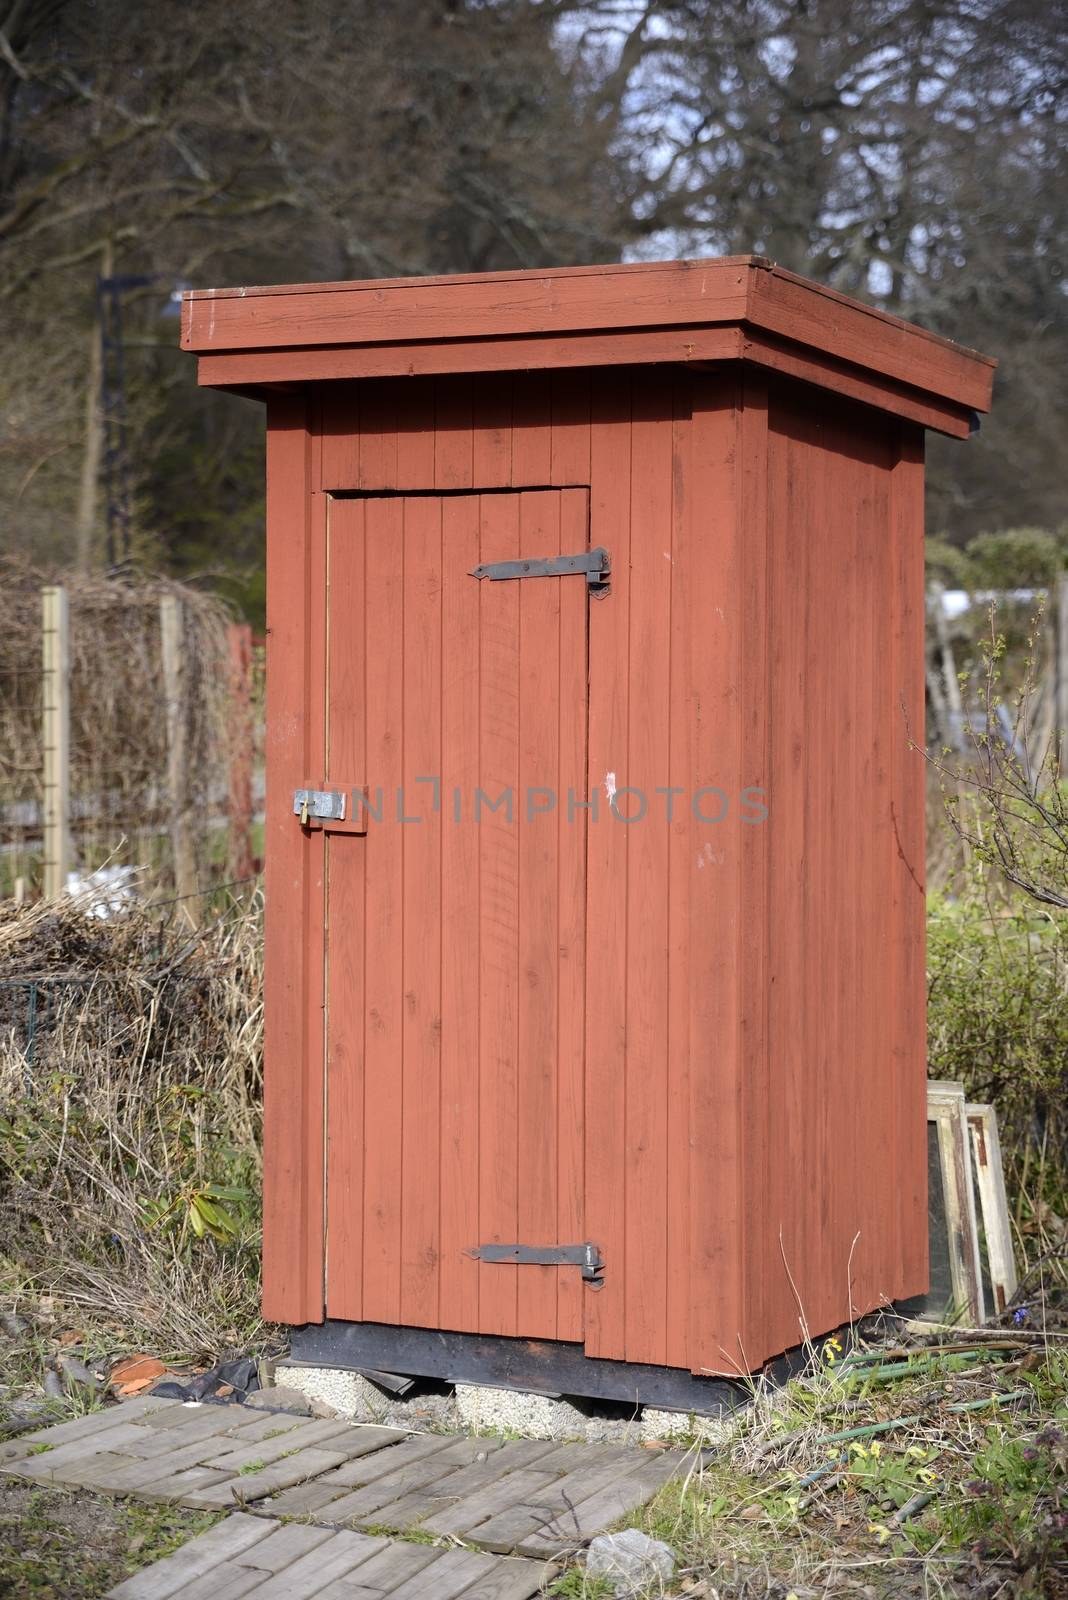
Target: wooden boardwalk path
x: 500, y: 1509
x: 269, y: 1560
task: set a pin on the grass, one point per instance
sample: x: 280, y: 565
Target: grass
x: 56, y: 1545
x: 945, y: 1501
x: 575, y: 1585
x: 413, y: 1535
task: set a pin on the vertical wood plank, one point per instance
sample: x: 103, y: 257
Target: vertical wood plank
x: 571, y: 1294
x: 453, y: 434
x: 491, y: 422
x: 792, y: 759
x: 827, y: 712
x: 380, y: 406
x: 748, y: 838
x: 570, y: 411
x: 885, y: 720
x: 55, y: 741
x: 315, y: 902
x: 421, y: 915
x: 293, y: 1105
x: 346, y: 859
x: 715, y: 690
x: 499, y: 910
x: 385, y: 905
x: 531, y: 429
x: 687, y: 546
x: 340, y: 403
x: 837, y: 1138
x: 645, y: 828
x: 417, y: 441
x: 539, y: 909
x: 909, y: 899
x: 461, y: 947
x: 871, y: 1271
x: 606, y: 890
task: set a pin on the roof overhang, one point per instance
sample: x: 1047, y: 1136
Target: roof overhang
x: 695, y: 312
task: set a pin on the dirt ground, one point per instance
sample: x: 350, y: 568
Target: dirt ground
x: 60, y: 1545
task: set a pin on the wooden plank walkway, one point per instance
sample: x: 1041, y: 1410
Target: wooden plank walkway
x: 535, y: 1497
x: 207, y: 1456
x: 357, y: 1489
x: 269, y: 1560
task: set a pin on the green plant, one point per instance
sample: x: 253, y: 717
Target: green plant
x: 202, y: 1209
x: 59, y: 1545
x: 947, y: 564
x: 1017, y: 558
x: 1016, y: 1505
x: 888, y: 1476
x: 414, y: 1535
x: 574, y: 1585
x: 251, y: 1467
x: 997, y: 1022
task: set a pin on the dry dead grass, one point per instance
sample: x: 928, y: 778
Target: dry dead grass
x: 130, y: 1093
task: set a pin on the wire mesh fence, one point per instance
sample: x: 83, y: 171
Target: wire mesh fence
x: 152, y: 750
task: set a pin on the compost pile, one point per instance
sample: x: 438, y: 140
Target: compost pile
x: 130, y: 1095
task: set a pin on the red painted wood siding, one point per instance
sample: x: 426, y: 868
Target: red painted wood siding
x: 839, y: 1198
x: 754, y: 1040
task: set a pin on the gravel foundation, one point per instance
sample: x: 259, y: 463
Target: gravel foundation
x: 477, y: 1408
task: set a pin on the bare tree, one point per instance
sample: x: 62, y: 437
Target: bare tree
x: 1008, y: 807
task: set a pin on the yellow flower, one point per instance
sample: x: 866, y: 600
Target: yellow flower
x: 876, y: 1448
x: 859, y: 1449
x: 880, y: 1530
x: 917, y: 1452
x: 927, y: 1477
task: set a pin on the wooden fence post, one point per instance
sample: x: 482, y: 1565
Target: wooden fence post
x: 951, y: 683
x: 172, y: 652
x: 239, y: 641
x: 55, y: 634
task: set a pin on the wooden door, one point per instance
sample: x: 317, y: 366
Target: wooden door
x: 455, y: 927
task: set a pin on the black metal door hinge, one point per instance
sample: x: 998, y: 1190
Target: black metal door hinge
x: 595, y: 564
x: 587, y: 1256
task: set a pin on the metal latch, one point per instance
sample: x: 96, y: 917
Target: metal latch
x: 326, y: 809
x: 587, y: 1256
x: 319, y: 805
x: 595, y: 564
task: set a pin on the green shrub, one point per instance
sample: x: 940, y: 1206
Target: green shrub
x: 1019, y: 558
x: 997, y: 1016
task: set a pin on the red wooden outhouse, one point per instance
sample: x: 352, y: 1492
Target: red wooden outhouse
x: 595, y: 1052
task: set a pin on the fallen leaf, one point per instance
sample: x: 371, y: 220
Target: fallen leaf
x: 70, y: 1336
x: 138, y: 1386
x: 136, y: 1371
x: 751, y: 1513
